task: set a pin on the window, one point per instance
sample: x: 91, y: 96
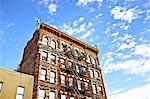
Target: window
x: 62, y: 61
x: 1, y: 84
x: 20, y: 92
x: 92, y: 60
x: 70, y: 81
x: 52, y: 95
x: 100, y: 89
x: 89, y: 98
x: 91, y: 73
x: 41, y: 94
x: 69, y: 49
x: 94, y: 89
x: 44, y: 55
x: 88, y: 59
x: 77, y: 69
x: 52, y: 77
x: 42, y: 74
x: 96, y: 74
x: 62, y: 46
x: 53, y: 44
x: 86, y: 85
x: 83, y: 69
x: 63, y: 96
x: 76, y: 53
x: 63, y: 79
x: 79, y: 85
x: 69, y: 64
x: 45, y: 41
x: 72, y: 97
x: 53, y: 59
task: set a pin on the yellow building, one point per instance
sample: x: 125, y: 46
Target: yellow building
x: 15, y: 85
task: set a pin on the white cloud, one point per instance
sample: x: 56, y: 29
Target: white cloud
x: 84, y: 36
x: 45, y: 2
x: 123, y: 14
x: 76, y: 22
x: 52, y: 8
x: 126, y: 36
x: 90, y: 24
x: 10, y: 25
x: 136, y: 93
x: 125, y: 45
x: 86, y: 2
x: 81, y: 19
x: 79, y: 26
x: 115, y: 34
x: 137, y: 66
x: 143, y: 50
x: 91, y: 40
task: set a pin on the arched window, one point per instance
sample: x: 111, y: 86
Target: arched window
x: 45, y: 41
x: 92, y: 60
x: 91, y: 73
x: 53, y: 44
x: 88, y: 59
x: 76, y: 53
x: 69, y: 49
x: 62, y: 46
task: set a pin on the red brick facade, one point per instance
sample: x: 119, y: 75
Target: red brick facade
x: 63, y: 67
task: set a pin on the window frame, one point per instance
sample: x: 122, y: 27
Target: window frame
x: 20, y: 94
x: 53, y: 79
x: 45, y: 40
x: 94, y: 88
x: 53, y: 58
x: 50, y: 95
x: 71, y: 81
x: 79, y: 85
x: 39, y: 97
x: 62, y: 94
x: 77, y: 68
x: 44, y: 75
x: 53, y: 44
x: 96, y: 74
x: 91, y: 73
x: 45, y: 58
x: 64, y: 80
x: 1, y: 86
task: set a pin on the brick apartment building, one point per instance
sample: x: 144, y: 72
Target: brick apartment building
x: 63, y: 67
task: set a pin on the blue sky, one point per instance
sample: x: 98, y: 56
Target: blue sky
x: 120, y: 29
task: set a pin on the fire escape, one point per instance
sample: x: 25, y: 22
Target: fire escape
x: 70, y: 69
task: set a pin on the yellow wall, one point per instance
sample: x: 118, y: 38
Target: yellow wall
x: 11, y: 80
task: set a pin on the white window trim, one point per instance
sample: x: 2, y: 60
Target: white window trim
x: 53, y: 56
x: 40, y: 95
x: 1, y: 86
x: 20, y: 92
x: 79, y: 84
x: 45, y: 40
x: 53, y: 44
x: 63, y: 96
x: 92, y: 73
x: 52, y: 77
x: 42, y: 76
x: 94, y: 89
x: 52, y: 95
x: 64, y: 78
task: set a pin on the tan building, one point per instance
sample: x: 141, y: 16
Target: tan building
x: 63, y: 67
x: 14, y: 85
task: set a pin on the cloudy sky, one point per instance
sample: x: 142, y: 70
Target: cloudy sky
x: 120, y: 29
